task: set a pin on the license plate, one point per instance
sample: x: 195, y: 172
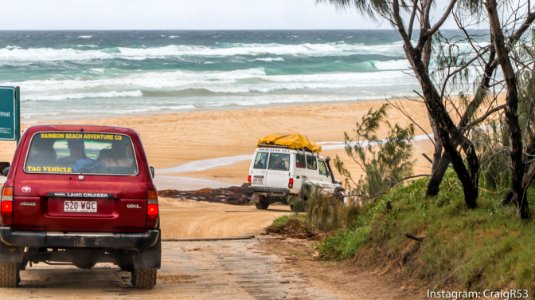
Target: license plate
x: 80, y: 206
x: 258, y: 180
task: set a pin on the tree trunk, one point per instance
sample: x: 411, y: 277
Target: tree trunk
x: 437, y: 174
x: 449, y: 134
x: 469, y: 180
x: 440, y: 164
x: 447, y: 131
x: 434, y: 183
x: 511, y: 113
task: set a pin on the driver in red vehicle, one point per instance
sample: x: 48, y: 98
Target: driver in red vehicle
x: 77, y: 158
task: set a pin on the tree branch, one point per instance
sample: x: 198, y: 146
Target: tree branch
x: 520, y: 31
x: 413, y: 15
x: 399, y: 24
x: 483, y: 117
x: 443, y: 18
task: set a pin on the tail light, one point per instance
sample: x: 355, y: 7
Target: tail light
x: 290, y: 183
x: 249, y: 179
x: 152, y: 209
x: 6, y: 202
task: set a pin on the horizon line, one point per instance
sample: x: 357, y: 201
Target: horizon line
x: 247, y: 29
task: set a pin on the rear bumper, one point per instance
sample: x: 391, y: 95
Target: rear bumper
x: 44, y: 239
x: 270, y: 190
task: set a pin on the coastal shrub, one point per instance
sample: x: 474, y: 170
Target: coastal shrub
x: 326, y: 212
x: 292, y: 226
x: 493, y: 142
x: 384, y: 162
x: 439, y: 242
x: 297, y: 204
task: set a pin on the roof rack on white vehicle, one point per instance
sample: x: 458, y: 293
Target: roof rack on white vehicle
x: 286, y: 147
x: 293, y: 141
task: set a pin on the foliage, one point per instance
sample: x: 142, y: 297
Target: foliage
x: 293, y: 226
x: 487, y: 248
x: 526, y: 107
x: 492, y: 138
x: 384, y: 162
x: 326, y: 212
x: 492, y: 143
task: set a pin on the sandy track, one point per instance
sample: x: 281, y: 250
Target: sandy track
x: 192, y: 219
x: 202, y: 269
x: 199, y: 270
x: 260, y: 268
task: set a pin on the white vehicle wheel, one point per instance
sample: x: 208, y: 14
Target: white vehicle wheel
x: 262, y: 203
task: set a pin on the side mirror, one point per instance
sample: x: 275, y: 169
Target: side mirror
x: 4, y: 166
x: 152, y: 172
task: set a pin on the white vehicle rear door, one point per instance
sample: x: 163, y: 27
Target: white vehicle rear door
x: 278, y: 170
x: 259, y: 168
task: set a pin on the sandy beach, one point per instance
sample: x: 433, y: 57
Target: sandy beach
x: 178, y: 139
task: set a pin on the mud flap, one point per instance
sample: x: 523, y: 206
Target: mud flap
x: 149, y: 258
x: 11, y: 254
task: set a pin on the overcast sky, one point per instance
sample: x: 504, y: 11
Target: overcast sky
x: 179, y: 14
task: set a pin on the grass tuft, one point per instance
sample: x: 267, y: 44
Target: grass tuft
x: 292, y: 226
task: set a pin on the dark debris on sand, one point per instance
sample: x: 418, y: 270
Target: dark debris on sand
x: 237, y: 195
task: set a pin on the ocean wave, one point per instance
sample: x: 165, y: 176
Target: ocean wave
x: 91, y: 46
x: 269, y: 59
x: 8, y: 54
x: 398, y: 64
x: 49, y: 54
x: 85, y: 37
x: 146, y: 80
x: 273, y: 51
x: 151, y: 108
x: 179, y: 92
x: 98, y: 70
x: 194, y: 84
x: 61, y: 97
x: 254, y: 49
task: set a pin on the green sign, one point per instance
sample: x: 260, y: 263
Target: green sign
x: 9, y: 113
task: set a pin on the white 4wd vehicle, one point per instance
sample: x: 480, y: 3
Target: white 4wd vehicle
x: 277, y: 172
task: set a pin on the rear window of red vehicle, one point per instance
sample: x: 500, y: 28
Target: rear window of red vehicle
x: 81, y: 152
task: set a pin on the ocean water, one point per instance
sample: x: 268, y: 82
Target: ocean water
x: 79, y: 74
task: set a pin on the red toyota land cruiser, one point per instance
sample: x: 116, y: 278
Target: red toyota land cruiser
x: 80, y: 194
